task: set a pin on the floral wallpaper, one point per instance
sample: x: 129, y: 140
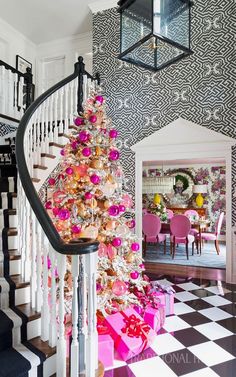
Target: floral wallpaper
x: 212, y: 176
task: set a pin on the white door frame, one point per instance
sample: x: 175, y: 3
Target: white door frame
x: 165, y: 152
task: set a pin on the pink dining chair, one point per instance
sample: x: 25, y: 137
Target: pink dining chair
x: 144, y: 211
x: 191, y: 214
x: 170, y: 213
x: 211, y: 236
x: 180, y: 227
x: 151, y: 231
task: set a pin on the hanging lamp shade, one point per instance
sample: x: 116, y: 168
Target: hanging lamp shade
x: 154, y: 33
x: 160, y: 185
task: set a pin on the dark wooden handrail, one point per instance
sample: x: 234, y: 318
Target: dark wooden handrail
x: 82, y: 246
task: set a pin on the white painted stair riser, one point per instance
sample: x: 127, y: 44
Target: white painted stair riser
x: 13, y: 221
x: 49, y: 366
x: 22, y: 296
x: 12, y: 242
x: 15, y: 267
x: 33, y: 328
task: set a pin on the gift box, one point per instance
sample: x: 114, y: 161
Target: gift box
x: 106, y: 350
x: 155, y: 317
x: 130, y: 333
x: 166, y: 295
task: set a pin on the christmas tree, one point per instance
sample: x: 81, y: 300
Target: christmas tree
x: 87, y: 200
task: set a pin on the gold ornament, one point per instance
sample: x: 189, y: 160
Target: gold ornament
x: 92, y: 203
x: 96, y: 164
x: 130, y: 257
x: 107, y: 204
x: 71, y: 186
x: 111, y: 225
x: 98, y: 151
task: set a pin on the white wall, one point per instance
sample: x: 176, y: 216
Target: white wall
x: 55, y: 59
x: 13, y: 43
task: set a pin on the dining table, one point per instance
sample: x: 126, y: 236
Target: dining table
x: 201, y: 225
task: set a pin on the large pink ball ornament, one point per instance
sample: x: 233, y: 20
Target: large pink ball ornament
x: 122, y: 208
x: 88, y: 195
x: 142, y: 266
x: 48, y: 205
x: 93, y: 119
x: 95, y: 179
x: 86, y: 152
x: 131, y: 224
x: 135, y: 246
x: 55, y: 211
x: 99, y: 99
x: 74, y: 144
x: 116, y: 242
x: 134, y: 275
x: 114, y: 155
x: 52, y: 181
x: 79, y: 121
x: 119, y: 288
x: 113, y: 134
x: 113, y: 210
x: 64, y: 214
x: 83, y: 136
x: 76, y: 229
x: 69, y: 171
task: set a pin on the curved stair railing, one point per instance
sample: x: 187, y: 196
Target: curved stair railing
x: 44, y: 254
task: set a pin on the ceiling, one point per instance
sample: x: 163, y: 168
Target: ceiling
x: 46, y: 20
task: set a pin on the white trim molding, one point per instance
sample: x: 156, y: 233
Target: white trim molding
x: 183, y: 139
x: 99, y: 6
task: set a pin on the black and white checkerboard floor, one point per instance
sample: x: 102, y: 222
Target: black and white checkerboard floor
x: 198, y: 341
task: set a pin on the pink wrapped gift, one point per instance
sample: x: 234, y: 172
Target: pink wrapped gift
x: 106, y: 350
x: 166, y: 295
x: 130, y: 333
x: 155, y: 317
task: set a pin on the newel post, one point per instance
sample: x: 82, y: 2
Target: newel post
x: 80, y: 67
x: 28, y: 80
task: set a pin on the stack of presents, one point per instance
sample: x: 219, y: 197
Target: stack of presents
x: 130, y: 332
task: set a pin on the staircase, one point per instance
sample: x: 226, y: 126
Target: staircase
x: 32, y: 311
x: 22, y: 352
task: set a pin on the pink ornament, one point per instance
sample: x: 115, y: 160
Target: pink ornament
x: 74, y: 144
x: 122, y: 208
x: 55, y: 211
x: 127, y: 201
x: 49, y: 263
x: 113, y: 134
x: 135, y: 246
x: 62, y: 152
x: 116, y: 242
x: 111, y: 251
x: 98, y: 287
x: 142, y: 266
x: 113, y: 210
x: 114, y: 155
x: 102, y: 250
x: 59, y: 196
x: 75, y: 229
x: 134, y: 275
x: 51, y: 181
x: 86, y: 152
x: 131, y: 224
x: 95, y: 179
x: 48, y: 205
x: 79, y: 121
x: 88, y: 195
x: 83, y: 136
x: 69, y: 171
x: 93, y: 119
x: 64, y: 214
x: 119, y: 288
x: 99, y: 99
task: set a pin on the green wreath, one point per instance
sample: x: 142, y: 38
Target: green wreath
x: 183, y: 179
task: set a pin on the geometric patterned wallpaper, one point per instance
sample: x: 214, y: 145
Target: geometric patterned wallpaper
x: 6, y: 129
x: 199, y: 88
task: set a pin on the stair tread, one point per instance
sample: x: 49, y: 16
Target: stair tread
x: 13, y: 363
x: 48, y: 155
x: 10, y: 211
x: 43, y: 346
x: 52, y: 144
x: 42, y: 167
x: 14, y: 254
x: 35, y: 180
x: 29, y: 311
x: 12, y: 232
x: 19, y: 281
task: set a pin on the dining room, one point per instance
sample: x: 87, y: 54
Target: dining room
x: 183, y: 212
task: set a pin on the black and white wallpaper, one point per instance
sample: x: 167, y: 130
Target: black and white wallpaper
x: 199, y: 88
x: 6, y: 129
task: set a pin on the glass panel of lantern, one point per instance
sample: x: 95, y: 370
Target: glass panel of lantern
x: 154, y: 33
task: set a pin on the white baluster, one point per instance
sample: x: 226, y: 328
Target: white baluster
x: 75, y: 96
x: 60, y: 103
x: 47, y: 141
x: 75, y: 344
x: 85, y: 87
x: 53, y: 293
x: 33, y: 261
x: 39, y: 267
x: 51, y: 99
x: 71, y: 111
x: 92, y: 338
x: 20, y: 95
x: 55, y: 137
x: 45, y: 316
x: 61, y: 343
x: 82, y: 315
x: 66, y: 116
